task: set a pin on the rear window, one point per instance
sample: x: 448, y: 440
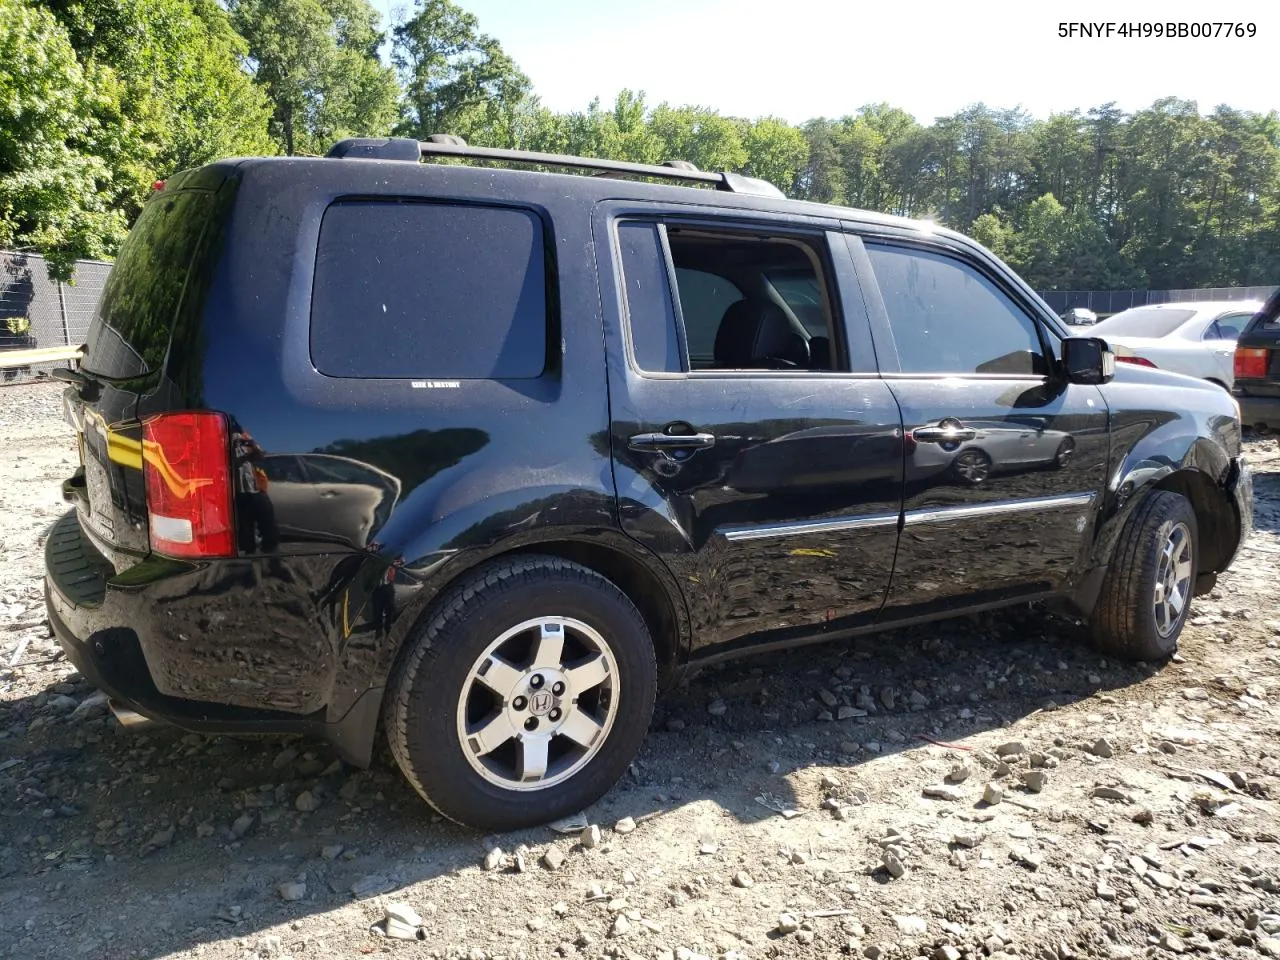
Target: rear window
x: 1143, y: 322
x: 147, y: 290
x: 429, y: 290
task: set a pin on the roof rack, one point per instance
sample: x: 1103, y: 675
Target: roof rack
x: 445, y: 145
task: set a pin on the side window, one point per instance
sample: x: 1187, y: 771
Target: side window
x: 1229, y: 327
x: 428, y: 290
x: 651, y: 315
x: 746, y: 301
x: 947, y: 317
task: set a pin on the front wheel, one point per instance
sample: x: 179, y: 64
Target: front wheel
x: 524, y: 696
x: 1147, y: 591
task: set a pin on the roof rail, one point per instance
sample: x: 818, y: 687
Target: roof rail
x: 445, y: 145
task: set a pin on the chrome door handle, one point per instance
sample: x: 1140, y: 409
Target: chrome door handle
x: 949, y: 431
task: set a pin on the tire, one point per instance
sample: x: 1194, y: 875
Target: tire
x: 972, y: 467
x: 474, y: 754
x: 1131, y: 621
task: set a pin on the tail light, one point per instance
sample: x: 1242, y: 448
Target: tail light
x: 1251, y: 363
x: 187, y: 468
x: 1136, y: 361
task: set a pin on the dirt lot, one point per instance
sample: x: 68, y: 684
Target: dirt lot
x: 1139, y: 811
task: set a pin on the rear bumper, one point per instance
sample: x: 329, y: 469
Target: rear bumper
x: 116, y: 629
x: 1259, y: 410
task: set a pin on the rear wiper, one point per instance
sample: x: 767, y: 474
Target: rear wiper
x: 90, y: 389
x: 1270, y: 310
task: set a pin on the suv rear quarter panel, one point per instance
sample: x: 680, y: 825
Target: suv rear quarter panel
x: 473, y: 464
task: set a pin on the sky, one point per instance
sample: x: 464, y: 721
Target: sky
x: 797, y: 59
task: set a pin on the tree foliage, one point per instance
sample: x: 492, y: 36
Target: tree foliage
x: 99, y: 97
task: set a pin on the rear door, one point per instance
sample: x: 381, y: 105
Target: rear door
x: 1004, y: 462
x: 755, y: 448
x: 146, y: 322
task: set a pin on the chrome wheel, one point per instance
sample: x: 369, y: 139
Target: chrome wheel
x: 1173, y: 579
x: 538, y: 704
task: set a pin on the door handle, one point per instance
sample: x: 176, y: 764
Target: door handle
x: 948, y: 431
x: 669, y: 445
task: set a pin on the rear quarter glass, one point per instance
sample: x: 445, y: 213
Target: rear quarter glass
x: 155, y: 294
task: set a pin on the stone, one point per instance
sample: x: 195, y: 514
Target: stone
x: 1102, y: 748
x: 292, y: 890
x: 1269, y: 946
x: 966, y: 840
x: 590, y: 837
x: 1013, y: 748
x: 947, y: 952
x: 887, y: 698
x: 911, y: 926
x: 706, y: 849
x: 402, y: 922
x: 553, y: 858
x: 830, y: 781
x: 992, y: 794
x: 1002, y: 769
x: 1035, y: 780
x: 1162, y: 880
x: 284, y: 758
x: 848, y: 713
x: 625, y: 825
x: 332, y: 852
x: 60, y: 703
x: 307, y: 802
x: 805, y: 936
x: 829, y: 698
x: 742, y: 879
x: 495, y: 859
x: 1110, y: 793
x: 717, y: 708
x: 621, y: 926
x: 242, y: 825
x: 944, y: 793
x: 205, y: 829
x: 1103, y: 891
x: 893, y: 864
x: 787, y: 923
x: 958, y: 773
x: 675, y: 724
x: 372, y: 885
x: 1172, y: 943
x: 1026, y: 857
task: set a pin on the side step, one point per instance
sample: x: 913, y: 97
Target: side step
x: 131, y: 720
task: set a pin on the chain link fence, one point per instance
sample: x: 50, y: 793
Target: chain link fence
x: 37, y: 312
x: 1106, y: 302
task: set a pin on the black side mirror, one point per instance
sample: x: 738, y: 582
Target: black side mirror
x: 1087, y: 360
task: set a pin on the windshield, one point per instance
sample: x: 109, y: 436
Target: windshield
x: 1144, y: 322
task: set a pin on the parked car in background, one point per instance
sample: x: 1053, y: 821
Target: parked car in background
x: 1257, y: 369
x: 1079, y: 317
x: 1198, y: 339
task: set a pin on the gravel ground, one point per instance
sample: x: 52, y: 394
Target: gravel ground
x: 985, y: 787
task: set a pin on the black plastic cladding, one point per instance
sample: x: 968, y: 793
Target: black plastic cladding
x: 302, y: 635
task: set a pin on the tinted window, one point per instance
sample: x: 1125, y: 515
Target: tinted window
x: 651, y: 315
x: 1143, y: 322
x: 144, y: 295
x: 948, y: 318
x: 803, y: 295
x: 420, y: 290
x: 704, y: 300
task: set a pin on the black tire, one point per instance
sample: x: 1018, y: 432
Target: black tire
x: 1124, y: 622
x: 421, y: 709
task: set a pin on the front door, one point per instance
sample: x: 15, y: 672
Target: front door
x: 755, y: 449
x: 1004, y: 462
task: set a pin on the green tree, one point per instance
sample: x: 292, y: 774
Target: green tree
x: 52, y: 172
x: 776, y: 151
x: 318, y: 62
x: 456, y: 79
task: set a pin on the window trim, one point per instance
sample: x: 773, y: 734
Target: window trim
x: 813, y: 238
x: 882, y: 326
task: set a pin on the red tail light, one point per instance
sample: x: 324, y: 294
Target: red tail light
x: 1136, y: 361
x: 187, y: 465
x: 1252, y: 363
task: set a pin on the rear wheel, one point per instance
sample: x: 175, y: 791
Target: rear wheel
x: 525, y: 695
x: 1147, y: 591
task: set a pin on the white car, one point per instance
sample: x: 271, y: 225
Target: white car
x: 1195, y: 338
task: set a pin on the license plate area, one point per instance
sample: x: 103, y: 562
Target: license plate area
x: 97, y: 506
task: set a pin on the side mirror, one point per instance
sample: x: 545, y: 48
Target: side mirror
x: 1087, y: 360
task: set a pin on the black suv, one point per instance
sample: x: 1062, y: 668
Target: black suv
x: 488, y: 454
x: 1257, y: 368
